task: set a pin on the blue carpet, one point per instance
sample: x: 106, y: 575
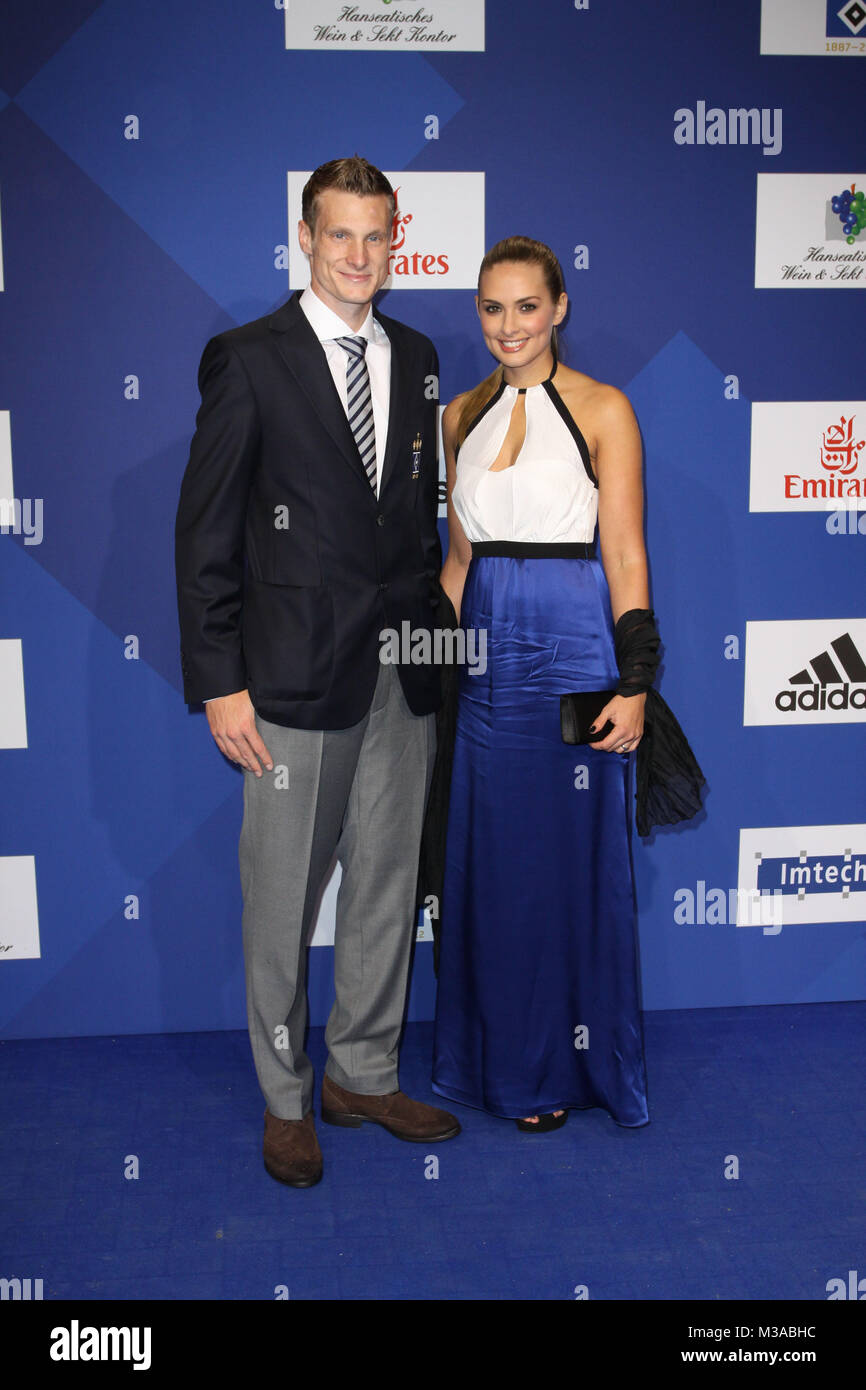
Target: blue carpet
x: 627, y: 1214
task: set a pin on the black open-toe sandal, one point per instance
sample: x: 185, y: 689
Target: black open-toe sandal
x: 545, y: 1123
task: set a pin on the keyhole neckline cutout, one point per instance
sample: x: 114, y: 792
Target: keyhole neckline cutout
x: 492, y: 468
x: 522, y: 390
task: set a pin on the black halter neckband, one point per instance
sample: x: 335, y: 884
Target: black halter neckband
x: 521, y: 390
x: 561, y: 409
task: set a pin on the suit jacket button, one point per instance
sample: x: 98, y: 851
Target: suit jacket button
x: 382, y: 587
x: 380, y: 520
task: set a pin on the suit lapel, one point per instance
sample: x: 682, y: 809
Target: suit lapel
x: 305, y: 358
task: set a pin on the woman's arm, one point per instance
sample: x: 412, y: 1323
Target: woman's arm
x: 453, y: 575
x: 619, y: 458
x: 620, y: 504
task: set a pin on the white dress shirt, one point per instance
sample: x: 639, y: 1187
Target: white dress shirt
x: 327, y: 326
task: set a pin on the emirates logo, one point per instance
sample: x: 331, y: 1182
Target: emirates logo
x: 400, y: 223
x: 402, y: 261
x: 840, y: 451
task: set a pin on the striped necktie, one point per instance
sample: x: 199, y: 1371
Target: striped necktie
x: 359, y: 403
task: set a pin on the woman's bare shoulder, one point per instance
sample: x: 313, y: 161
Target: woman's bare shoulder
x: 451, y: 414
x: 587, y: 393
x: 590, y: 389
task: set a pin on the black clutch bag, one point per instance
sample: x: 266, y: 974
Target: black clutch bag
x: 579, y: 711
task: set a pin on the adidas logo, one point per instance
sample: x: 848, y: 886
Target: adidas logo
x: 810, y: 686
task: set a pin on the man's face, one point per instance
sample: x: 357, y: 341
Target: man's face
x: 348, y: 250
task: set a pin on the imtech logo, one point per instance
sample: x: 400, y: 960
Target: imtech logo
x: 827, y: 680
x: 813, y: 873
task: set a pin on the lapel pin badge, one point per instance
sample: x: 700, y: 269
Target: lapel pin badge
x: 416, y: 457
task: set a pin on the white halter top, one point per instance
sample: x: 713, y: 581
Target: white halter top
x: 549, y: 494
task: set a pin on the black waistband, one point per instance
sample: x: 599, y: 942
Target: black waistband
x: 566, y: 550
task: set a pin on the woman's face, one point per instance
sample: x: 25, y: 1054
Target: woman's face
x: 517, y: 312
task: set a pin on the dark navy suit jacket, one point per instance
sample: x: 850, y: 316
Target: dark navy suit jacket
x: 288, y: 565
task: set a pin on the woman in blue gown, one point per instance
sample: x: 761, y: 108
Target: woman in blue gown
x: 538, y: 1007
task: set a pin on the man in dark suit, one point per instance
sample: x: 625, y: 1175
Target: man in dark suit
x: 307, y: 527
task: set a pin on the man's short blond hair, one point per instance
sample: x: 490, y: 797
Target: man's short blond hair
x: 352, y: 175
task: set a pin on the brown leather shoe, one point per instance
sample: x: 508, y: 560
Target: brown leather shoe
x: 291, y: 1150
x: 402, y: 1117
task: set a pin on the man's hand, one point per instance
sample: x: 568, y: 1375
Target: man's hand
x: 232, y: 722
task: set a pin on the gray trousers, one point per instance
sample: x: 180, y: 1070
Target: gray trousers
x: 358, y: 793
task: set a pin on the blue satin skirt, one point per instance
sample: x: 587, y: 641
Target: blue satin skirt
x: 538, y: 1004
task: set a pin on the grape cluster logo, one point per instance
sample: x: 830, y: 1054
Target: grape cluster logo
x: 805, y: 672
x: 815, y: 873
x: 807, y: 456
x: 807, y: 230
x: 850, y: 208
x: 437, y: 236
x: 826, y: 27
x: 453, y: 25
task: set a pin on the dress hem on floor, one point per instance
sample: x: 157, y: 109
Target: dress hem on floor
x: 537, y: 1108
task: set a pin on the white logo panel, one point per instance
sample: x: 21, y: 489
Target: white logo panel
x: 837, y: 29
x: 807, y: 456
x: 811, y: 672
x: 326, y: 920
x: 804, y: 236
x: 815, y: 873
x: 19, y: 929
x: 437, y: 240
x: 454, y: 25
x: 13, y: 720
x: 7, y: 485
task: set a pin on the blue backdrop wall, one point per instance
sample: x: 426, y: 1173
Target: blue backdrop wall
x: 686, y: 180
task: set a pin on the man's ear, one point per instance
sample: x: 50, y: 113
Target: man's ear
x: 305, y: 237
